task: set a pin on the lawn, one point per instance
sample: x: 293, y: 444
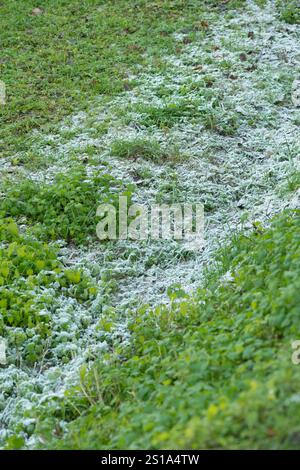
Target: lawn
x: 124, y: 344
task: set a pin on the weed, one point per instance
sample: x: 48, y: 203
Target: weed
x: 63, y: 209
x: 31, y: 276
x: 289, y: 11
x: 144, y: 148
x: 221, y: 358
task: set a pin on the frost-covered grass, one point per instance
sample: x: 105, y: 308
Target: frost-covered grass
x: 31, y: 279
x: 57, y: 60
x: 200, y: 110
x: 212, y: 370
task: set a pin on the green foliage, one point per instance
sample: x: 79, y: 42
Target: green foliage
x: 31, y: 277
x: 74, y: 51
x: 213, y: 371
x: 209, y: 111
x: 289, y: 11
x: 221, y: 121
x: 168, y: 114
x: 210, y: 370
x: 143, y: 148
x: 136, y: 148
x: 65, y: 208
x: 293, y: 181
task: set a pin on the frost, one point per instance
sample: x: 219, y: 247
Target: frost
x: 233, y: 174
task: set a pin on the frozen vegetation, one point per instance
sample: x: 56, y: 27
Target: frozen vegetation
x: 216, y: 122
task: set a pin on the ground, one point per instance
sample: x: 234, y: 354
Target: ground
x: 165, y: 102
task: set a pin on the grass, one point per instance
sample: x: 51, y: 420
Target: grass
x: 289, y: 11
x: 143, y: 148
x: 56, y: 61
x: 208, y: 110
x: 49, y: 65
x: 65, y: 208
x: 136, y: 148
x: 293, y: 182
x: 167, y: 115
x: 31, y: 276
x: 211, y: 371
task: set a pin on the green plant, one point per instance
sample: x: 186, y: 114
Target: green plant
x: 65, y: 208
x: 209, y: 371
x: 293, y: 182
x: 136, y: 148
x: 31, y: 276
x: 289, y: 11
x: 220, y: 121
x: 47, y: 82
x: 168, y: 114
x: 144, y: 148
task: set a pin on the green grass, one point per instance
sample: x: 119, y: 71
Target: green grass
x: 136, y: 148
x: 207, y: 110
x: 65, y: 208
x: 289, y: 11
x: 31, y: 276
x: 55, y: 62
x: 144, y: 148
x: 211, y: 371
x: 293, y: 181
x: 167, y: 115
